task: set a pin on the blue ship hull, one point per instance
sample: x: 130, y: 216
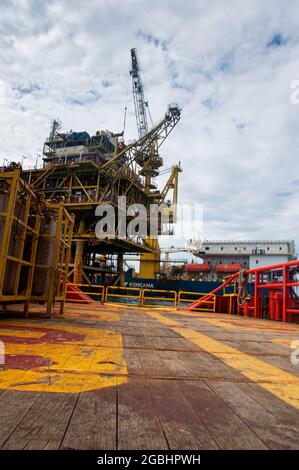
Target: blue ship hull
x: 177, y: 285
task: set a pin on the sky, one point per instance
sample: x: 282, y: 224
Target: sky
x: 229, y: 64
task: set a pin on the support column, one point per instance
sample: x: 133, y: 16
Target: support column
x: 120, y: 269
x: 285, y: 280
x: 257, y: 298
x: 150, y: 262
x: 78, y: 262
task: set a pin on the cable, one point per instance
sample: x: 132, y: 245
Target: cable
x: 126, y: 106
x: 242, y: 291
x: 125, y: 119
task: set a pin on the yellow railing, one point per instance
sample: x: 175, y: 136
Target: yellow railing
x: 123, y: 293
x: 91, y: 290
x: 232, y: 294
x: 233, y: 285
x: 207, y: 306
x: 162, y: 296
x: 136, y: 296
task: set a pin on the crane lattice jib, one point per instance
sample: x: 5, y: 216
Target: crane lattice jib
x: 156, y: 135
x: 138, y: 94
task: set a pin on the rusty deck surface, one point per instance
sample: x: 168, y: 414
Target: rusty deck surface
x: 117, y: 377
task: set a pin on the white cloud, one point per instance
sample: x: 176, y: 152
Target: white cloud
x: 238, y: 135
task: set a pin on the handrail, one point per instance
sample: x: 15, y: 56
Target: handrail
x: 123, y: 296
x: 145, y: 298
x: 99, y: 292
x: 215, y: 291
x: 211, y: 302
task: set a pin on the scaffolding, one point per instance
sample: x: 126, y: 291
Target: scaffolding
x: 35, y: 245
x: 53, y: 257
x: 19, y: 231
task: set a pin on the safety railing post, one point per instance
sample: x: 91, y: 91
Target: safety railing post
x: 159, y: 298
x: 285, y: 275
x: 102, y: 294
x: 209, y: 305
x: 256, y: 294
x: 123, y: 293
x: 94, y: 290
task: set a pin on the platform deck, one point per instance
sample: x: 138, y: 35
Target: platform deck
x: 117, y: 377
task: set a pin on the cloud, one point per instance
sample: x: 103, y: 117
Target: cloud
x: 26, y: 88
x: 277, y: 40
x: 151, y: 39
x: 229, y: 66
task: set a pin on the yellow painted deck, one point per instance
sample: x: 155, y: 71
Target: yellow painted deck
x: 119, y: 377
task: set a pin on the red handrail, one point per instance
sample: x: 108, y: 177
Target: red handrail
x: 283, y: 285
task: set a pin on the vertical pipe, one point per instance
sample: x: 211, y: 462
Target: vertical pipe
x: 9, y: 212
x: 120, y: 268
x: 55, y: 263
x: 278, y: 306
x: 246, y: 310
x: 68, y: 234
x: 256, y: 295
x: 78, y: 263
x: 285, y: 275
x: 272, y: 304
x: 98, y: 186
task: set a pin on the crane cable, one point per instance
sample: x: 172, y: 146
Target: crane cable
x: 242, y: 290
x: 126, y: 107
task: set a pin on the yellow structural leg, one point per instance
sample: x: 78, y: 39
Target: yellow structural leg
x: 150, y: 262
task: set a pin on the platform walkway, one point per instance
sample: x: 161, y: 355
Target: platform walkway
x: 117, y: 377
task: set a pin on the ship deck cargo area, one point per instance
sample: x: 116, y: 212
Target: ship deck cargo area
x: 121, y: 377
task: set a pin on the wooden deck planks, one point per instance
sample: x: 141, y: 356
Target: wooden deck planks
x: 45, y: 424
x: 93, y: 423
x: 196, y: 365
x: 133, y: 362
x: 138, y: 425
x: 14, y: 405
x: 182, y: 427
x: 228, y: 430
x: 177, y: 396
x: 153, y: 365
x: 270, y: 428
x: 287, y: 414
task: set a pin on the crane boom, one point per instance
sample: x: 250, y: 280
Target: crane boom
x: 138, y: 94
x: 172, y: 183
x: 157, y: 135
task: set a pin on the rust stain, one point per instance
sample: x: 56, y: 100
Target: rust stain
x: 26, y: 361
x: 66, y: 358
x: 50, y: 336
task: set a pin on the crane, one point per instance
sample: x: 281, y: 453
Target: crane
x: 172, y: 184
x: 138, y: 94
x: 150, y: 156
x: 135, y: 155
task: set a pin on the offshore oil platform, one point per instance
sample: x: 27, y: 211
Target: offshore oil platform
x: 87, y: 171
x: 50, y: 249
x: 81, y: 172
x: 121, y: 367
